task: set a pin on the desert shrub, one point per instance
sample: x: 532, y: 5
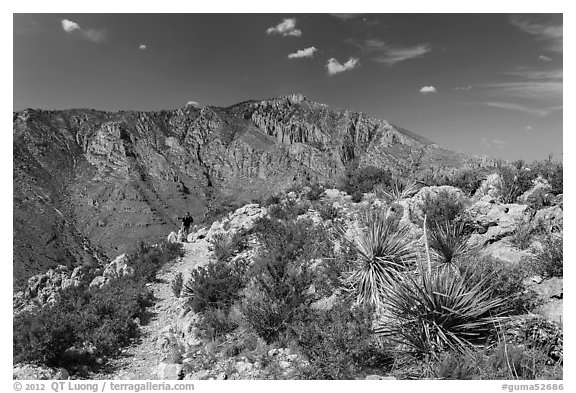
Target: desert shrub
x: 328, y: 212
x: 441, y: 207
x: 271, y: 200
x: 176, y: 284
x: 281, y: 275
x: 449, y: 241
x: 505, y: 281
x: 363, y: 180
x: 316, y: 192
x: 382, y: 248
x: 397, y: 190
x: 439, y: 311
x: 225, y: 246
x: 468, y: 180
x: 455, y: 365
x: 215, y: 286
x: 522, y: 235
x: 98, y: 322
x: 549, y: 261
x: 515, y: 181
x: 215, y: 322
x: 552, y: 171
x: 289, y: 210
x: 338, y: 342
x: 147, y: 260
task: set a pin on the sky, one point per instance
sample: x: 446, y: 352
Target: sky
x: 477, y: 83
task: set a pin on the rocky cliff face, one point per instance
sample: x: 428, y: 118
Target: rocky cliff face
x: 90, y: 184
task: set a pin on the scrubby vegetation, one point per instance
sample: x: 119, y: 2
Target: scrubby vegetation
x: 362, y: 297
x: 87, y: 325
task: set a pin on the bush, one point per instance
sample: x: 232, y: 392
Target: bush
x: 289, y: 210
x: 338, y: 343
x: 147, y: 260
x: 97, y: 323
x: 550, y: 261
x: 382, y: 248
x: 225, y: 247
x: 505, y: 283
x: 439, y: 311
x: 215, y: 323
x: 316, y: 192
x: 177, y: 283
x: 522, y: 236
x: 88, y: 323
x: 215, y: 286
x: 328, y: 212
x: 468, y: 180
x: 515, y: 182
x: 281, y: 275
x: 363, y: 180
x: 441, y: 208
x: 449, y: 241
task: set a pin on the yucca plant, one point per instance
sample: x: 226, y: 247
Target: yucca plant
x: 439, y: 311
x: 400, y: 190
x: 449, y: 241
x: 383, y: 248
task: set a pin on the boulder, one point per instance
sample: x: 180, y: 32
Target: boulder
x: 118, y: 268
x: 172, y: 237
x: 98, y: 282
x: 62, y: 374
x: 497, y: 220
x: 540, y: 189
x: 181, y: 236
x: 491, y: 187
x: 170, y: 371
x: 199, y: 234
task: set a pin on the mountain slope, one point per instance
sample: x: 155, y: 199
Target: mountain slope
x: 87, y: 180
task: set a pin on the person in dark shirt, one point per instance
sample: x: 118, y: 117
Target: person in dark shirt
x: 187, y: 221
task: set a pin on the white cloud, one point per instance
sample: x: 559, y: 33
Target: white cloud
x: 547, y: 28
x: 427, y: 89
x: 308, y: 52
x: 528, y: 128
x: 544, y: 58
x: 142, y: 47
x: 382, y: 52
x: 94, y: 35
x: 286, y: 28
x: 463, y: 88
x: 193, y: 104
x: 69, y: 26
x: 334, y: 67
x: 498, y: 143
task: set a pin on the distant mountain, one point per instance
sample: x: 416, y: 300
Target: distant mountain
x: 87, y: 180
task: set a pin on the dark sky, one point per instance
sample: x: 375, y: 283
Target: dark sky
x: 479, y: 83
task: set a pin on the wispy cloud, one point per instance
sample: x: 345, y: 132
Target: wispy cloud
x: 428, y: 89
x: 285, y: 28
x: 498, y: 143
x: 518, y: 108
x: 308, y: 52
x: 463, y: 88
x: 547, y: 28
x: 335, y: 67
x: 346, y: 17
x: 142, y: 46
x: 544, y: 58
x: 193, y: 104
x: 383, y: 52
x: 94, y: 35
x: 528, y: 128
x: 539, y: 85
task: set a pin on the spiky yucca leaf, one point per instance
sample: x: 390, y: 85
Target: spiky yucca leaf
x: 439, y: 311
x: 449, y: 241
x: 383, y: 247
x: 400, y: 190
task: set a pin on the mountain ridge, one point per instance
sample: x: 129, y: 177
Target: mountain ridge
x: 89, y: 182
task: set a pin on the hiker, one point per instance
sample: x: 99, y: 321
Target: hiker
x: 187, y: 221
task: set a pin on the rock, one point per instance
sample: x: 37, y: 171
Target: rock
x: 62, y: 374
x: 284, y: 364
x: 199, y: 375
x: 98, y: 282
x: 28, y: 372
x: 379, y: 378
x: 491, y: 187
x: 243, y: 367
x: 540, y: 189
x: 222, y: 376
x: 169, y: 371
x: 498, y: 220
x: 199, y: 234
x: 181, y: 236
x: 118, y: 268
x: 552, y: 311
x: 172, y: 237
x: 508, y: 254
x: 549, y: 288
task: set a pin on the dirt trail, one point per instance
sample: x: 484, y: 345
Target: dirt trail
x: 141, y: 360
